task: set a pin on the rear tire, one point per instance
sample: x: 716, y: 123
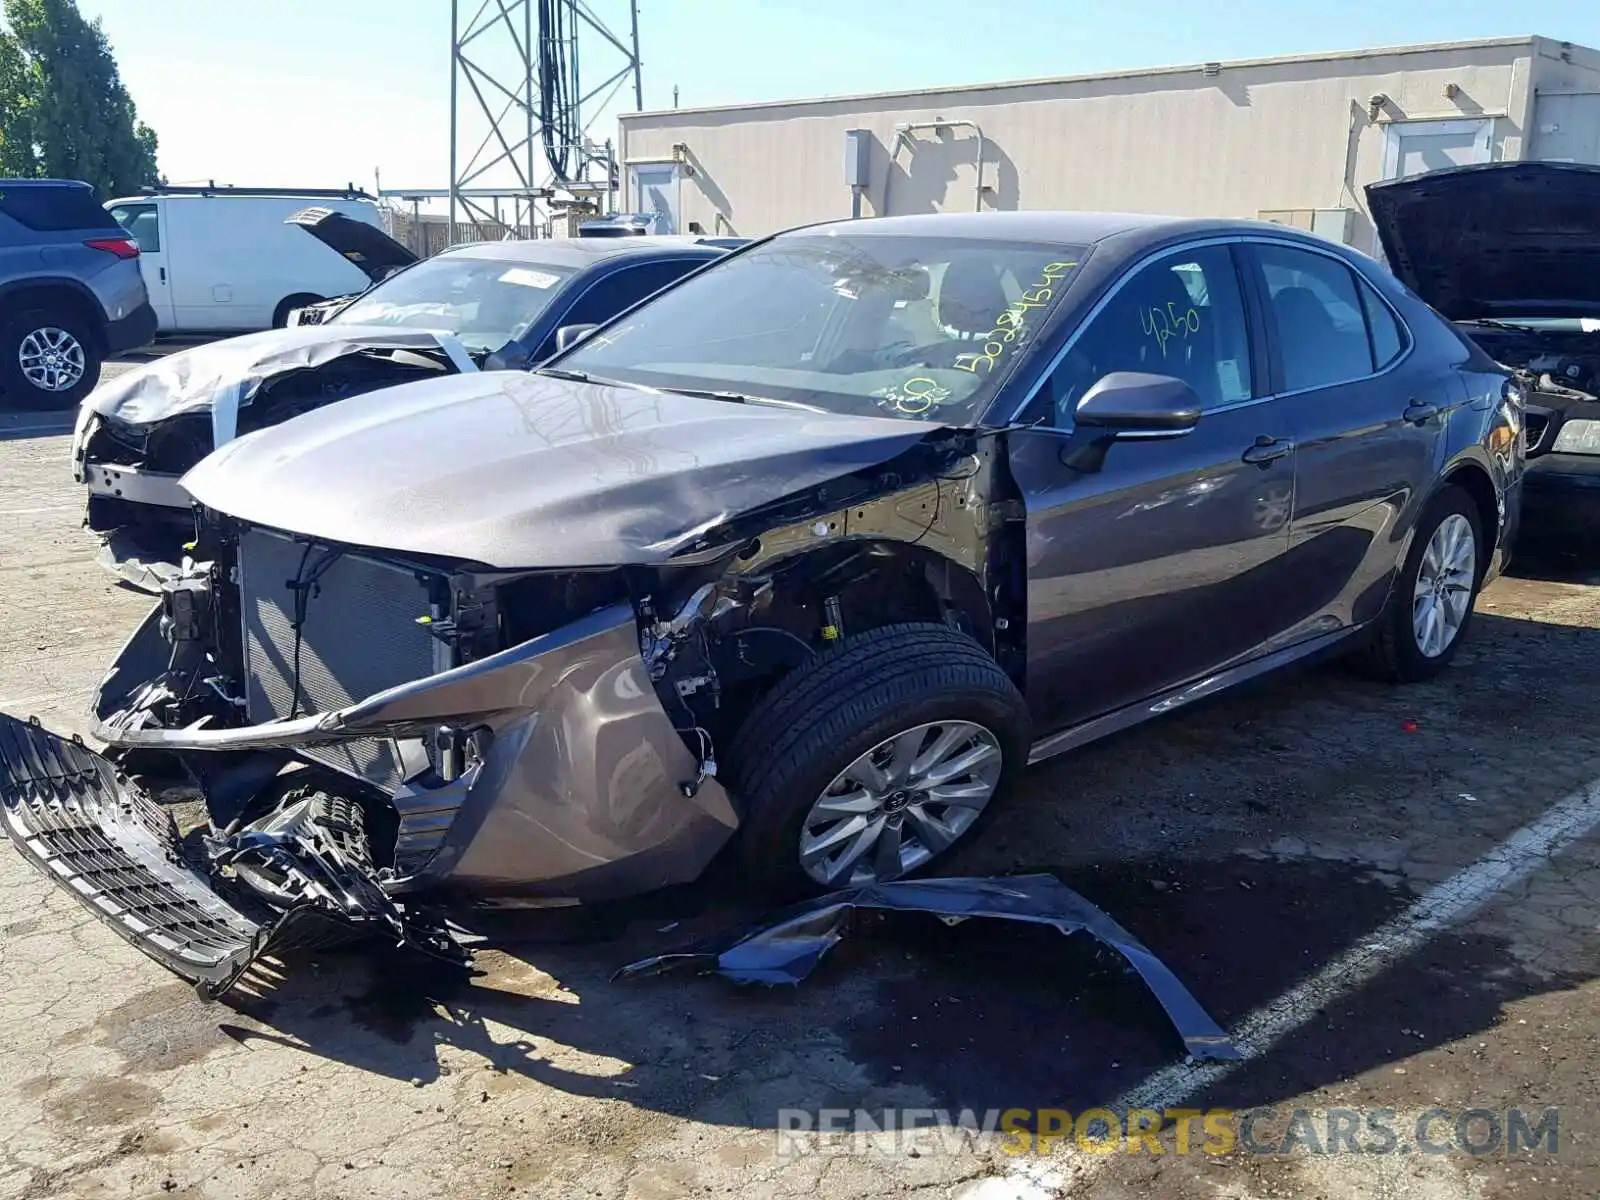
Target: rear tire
x: 49, y: 359
x: 921, y: 688
x: 1396, y: 652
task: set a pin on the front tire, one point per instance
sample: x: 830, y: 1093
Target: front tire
x: 1430, y: 608
x: 49, y: 359
x: 872, y: 760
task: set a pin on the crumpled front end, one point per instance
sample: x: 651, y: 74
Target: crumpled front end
x: 101, y: 836
x: 139, y: 433
x: 365, y: 749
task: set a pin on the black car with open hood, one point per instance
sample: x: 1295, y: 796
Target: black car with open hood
x: 1510, y: 252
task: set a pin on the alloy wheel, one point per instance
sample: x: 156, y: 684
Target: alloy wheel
x: 52, y: 359
x: 1443, y: 592
x: 903, y: 801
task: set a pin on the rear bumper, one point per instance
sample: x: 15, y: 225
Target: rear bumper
x: 136, y: 329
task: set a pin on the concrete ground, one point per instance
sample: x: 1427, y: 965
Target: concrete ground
x: 1393, y: 895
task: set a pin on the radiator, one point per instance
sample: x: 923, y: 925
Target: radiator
x: 360, y: 635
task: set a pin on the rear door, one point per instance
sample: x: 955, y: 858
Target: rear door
x: 1367, y: 417
x: 142, y: 221
x: 1171, y: 560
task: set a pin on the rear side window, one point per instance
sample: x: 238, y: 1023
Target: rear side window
x: 142, y: 223
x: 1318, y: 317
x: 1388, y: 338
x: 54, y: 209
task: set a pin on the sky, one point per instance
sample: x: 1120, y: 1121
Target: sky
x: 319, y: 93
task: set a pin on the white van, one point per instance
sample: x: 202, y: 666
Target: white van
x: 220, y: 258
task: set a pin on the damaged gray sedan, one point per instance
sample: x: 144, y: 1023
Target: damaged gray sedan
x: 804, y: 560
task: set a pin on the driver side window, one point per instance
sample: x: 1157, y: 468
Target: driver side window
x: 1182, y: 315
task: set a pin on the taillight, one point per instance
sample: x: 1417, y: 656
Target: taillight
x: 122, y: 247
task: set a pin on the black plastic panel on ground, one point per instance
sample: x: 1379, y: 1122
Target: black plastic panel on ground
x: 110, y: 845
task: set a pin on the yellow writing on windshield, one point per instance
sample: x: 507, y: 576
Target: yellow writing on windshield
x: 1014, y: 320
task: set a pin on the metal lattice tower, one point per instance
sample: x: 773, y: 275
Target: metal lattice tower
x: 520, y: 117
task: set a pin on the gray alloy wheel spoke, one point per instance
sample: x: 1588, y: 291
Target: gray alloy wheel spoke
x: 912, y: 795
x: 886, y: 858
x: 931, y: 832
x: 1442, y: 595
x: 51, y: 359
x: 860, y: 802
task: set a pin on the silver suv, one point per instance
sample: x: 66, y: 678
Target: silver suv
x: 70, y: 292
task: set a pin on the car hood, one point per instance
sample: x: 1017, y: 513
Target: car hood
x: 193, y: 380
x: 1496, y: 239
x: 366, y: 246
x: 517, y: 470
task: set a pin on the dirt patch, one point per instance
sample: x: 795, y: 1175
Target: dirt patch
x: 32, y: 1089
x: 101, y: 1101
x: 162, y: 1029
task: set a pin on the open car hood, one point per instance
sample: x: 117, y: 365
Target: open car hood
x: 368, y: 247
x: 1496, y: 239
x: 230, y: 372
x: 520, y: 470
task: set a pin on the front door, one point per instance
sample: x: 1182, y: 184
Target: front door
x: 1367, y: 421
x: 142, y: 221
x: 1170, y: 560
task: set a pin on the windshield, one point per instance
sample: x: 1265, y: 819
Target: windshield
x: 484, y: 302
x: 871, y: 324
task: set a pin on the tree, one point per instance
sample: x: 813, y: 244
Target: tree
x: 64, y: 113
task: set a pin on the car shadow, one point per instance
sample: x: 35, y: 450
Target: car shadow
x: 989, y: 1014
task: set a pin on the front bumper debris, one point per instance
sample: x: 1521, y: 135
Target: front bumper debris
x: 101, y: 837
x: 786, y: 949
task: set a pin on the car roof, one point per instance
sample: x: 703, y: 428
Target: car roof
x: 584, y: 252
x: 1069, y: 228
x: 46, y: 183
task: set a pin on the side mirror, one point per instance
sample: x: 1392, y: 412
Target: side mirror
x: 570, y: 335
x: 1133, y: 404
x: 1128, y: 404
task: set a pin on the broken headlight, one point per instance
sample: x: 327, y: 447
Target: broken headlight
x: 1577, y: 437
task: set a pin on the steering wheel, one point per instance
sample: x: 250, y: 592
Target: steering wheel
x: 934, y: 354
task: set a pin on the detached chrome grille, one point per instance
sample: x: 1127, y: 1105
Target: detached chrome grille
x: 360, y: 635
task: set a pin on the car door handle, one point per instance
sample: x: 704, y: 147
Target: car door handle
x: 1267, y: 450
x: 163, y: 271
x: 1420, y: 414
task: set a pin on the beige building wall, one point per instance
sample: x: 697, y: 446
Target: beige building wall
x: 1298, y: 133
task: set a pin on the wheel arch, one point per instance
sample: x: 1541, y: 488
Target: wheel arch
x: 1474, y: 479
x: 57, y: 293
x: 856, y: 570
